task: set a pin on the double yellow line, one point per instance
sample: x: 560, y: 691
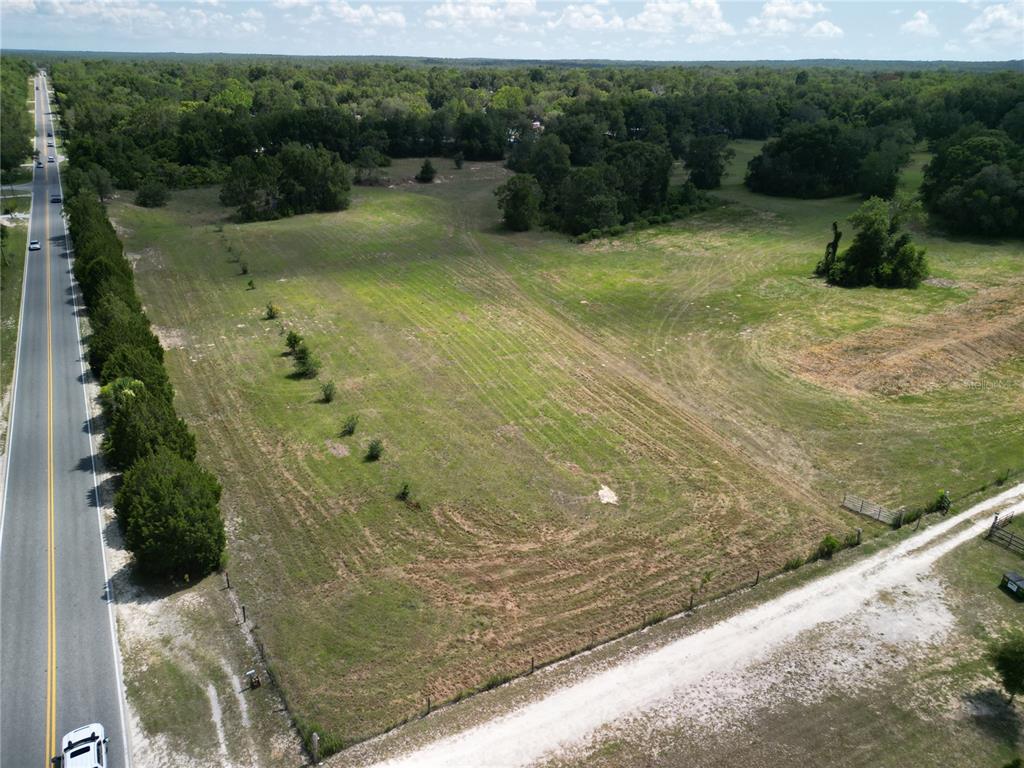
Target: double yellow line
x: 51, y: 579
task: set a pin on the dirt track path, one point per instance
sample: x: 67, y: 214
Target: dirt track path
x: 656, y: 681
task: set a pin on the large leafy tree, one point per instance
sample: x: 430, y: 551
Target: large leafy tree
x: 519, y: 200
x: 168, y: 510
x: 641, y: 170
x: 589, y: 199
x: 882, y: 253
x: 1007, y: 657
x: 705, y: 158
x: 975, y: 183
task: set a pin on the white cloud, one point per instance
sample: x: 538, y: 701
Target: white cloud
x: 824, y: 29
x: 1001, y: 23
x: 289, y: 4
x: 586, y: 17
x: 920, y: 25
x: 20, y: 6
x: 365, y: 14
x: 252, y: 13
x: 782, y: 17
x: 702, y: 17
x: 460, y: 14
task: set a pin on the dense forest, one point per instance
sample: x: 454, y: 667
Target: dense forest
x: 598, y: 143
x: 15, y: 119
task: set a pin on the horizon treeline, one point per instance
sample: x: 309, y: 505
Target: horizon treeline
x: 830, y: 131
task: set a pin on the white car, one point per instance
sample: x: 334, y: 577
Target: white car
x: 33, y: 245
x: 84, y: 747
x: 51, y: 159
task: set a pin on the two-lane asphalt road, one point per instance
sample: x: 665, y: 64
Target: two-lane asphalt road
x: 59, y: 665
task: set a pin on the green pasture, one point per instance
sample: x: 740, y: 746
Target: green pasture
x: 510, y: 376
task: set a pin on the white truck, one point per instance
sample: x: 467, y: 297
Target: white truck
x: 84, y: 747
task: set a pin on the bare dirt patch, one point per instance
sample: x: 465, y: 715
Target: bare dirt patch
x: 337, y: 449
x: 171, y: 338
x: 951, y: 348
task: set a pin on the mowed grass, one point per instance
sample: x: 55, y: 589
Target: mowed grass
x: 510, y: 377
x: 12, y: 271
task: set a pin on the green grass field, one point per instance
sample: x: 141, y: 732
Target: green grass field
x: 510, y: 377
x: 12, y: 267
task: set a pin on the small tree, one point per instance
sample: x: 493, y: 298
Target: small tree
x: 427, y: 172
x: 307, y: 365
x: 167, y: 509
x: 519, y: 199
x: 459, y: 159
x: 292, y: 341
x: 1007, y: 657
x: 327, y: 391
x: 349, y: 427
x: 828, y: 547
x: 152, y: 193
x: 243, y: 268
x: 403, y: 493
x: 375, y: 450
x: 272, y: 311
x: 943, y: 503
x: 251, y: 286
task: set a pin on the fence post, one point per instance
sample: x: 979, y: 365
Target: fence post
x: 227, y: 578
x: 243, y: 614
x: 995, y: 522
x: 859, y: 532
x: 428, y: 705
x: 531, y: 665
x: 758, y: 577
x: 314, y: 747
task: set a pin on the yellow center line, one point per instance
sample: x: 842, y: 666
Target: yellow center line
x: 51, y: 615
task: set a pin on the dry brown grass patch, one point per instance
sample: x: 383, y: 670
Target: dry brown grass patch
x: 946, y: 349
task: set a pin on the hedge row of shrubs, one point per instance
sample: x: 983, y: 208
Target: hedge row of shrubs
x: 827, y: 547
x: 676, y: 212
x: 167, y: 505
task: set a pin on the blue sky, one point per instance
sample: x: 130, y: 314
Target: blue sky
x: 605, y: 29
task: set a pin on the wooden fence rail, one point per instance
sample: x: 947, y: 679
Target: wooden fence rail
x: 872, y: 510
x: 1004, y: 538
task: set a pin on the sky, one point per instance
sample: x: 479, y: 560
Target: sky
x: 680, y: 30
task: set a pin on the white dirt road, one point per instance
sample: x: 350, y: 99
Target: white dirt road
x: 652, y: 684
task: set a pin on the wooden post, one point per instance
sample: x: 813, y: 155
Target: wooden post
x: 243, y: 614
x: 428, y: 705
x: 691, y: 601
x: 995, y: 522
x: 531, y: 665
x: 859, y: 532
x: 314, y: 747
x: 757, y: 578
x: 227, y: 578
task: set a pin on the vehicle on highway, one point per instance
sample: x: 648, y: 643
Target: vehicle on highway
x: 34, y: 245
x: 39, y: 163
x: 55, y: 198
x: 49, y: 143
x: 84, y: 747
x: 51, y: 159
x: 49, y: 133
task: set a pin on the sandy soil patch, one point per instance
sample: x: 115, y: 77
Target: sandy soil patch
x: 951, y: 348
x: 337, y: 448
x: 171, y: 338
